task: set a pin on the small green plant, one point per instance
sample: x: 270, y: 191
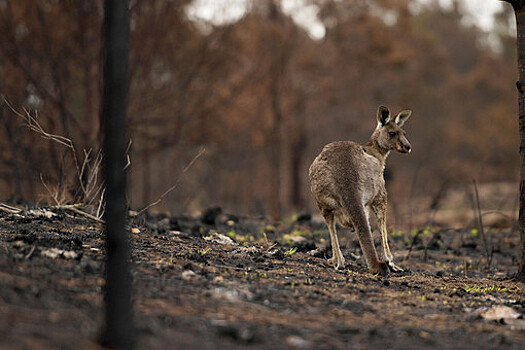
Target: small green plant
x: 290, y: 219
x: 240, y: 238
x: 474, y: 232
x: 203, y: 251
x: 396, y: 233
x: 290, y: 251
x: 483, y: 290
x: 263, y: 274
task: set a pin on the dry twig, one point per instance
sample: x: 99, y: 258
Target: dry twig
x: 158, y: 200
x: 480, y: 224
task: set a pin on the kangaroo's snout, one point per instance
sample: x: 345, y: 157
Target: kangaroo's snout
x: 403, y: 146
x: 406, y: 148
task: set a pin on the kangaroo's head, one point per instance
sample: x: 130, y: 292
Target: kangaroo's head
x: 389, y: 134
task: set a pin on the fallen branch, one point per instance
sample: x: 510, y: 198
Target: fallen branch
x: 9, y: 209
x: 28, y: 256
x: 75, y: 208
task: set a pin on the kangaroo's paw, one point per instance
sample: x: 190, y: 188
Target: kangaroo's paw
x: 338, y: 264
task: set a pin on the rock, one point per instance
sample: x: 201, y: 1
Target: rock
x: 239, y: 333
x: 227, y: 219
x: 70, y: 254
x: 220, y: 239
x: 249, y: 250
x: 54, y: 253
x: 188, y: 275
x: 321, y: 252
x: 275, y: 254
x: 209, y: 216
x: 296, y: 239
x: 304, y: 246
x: 42, y: 213
x: 304, y: 218
x: 498, y: 313
x: 297, y: 342
x: 232, y: 295
x: 89, y: 266
x: 175, y: 225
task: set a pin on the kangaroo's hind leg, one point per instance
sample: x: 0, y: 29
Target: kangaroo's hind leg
x: 360, y: 219
x: 337, y: 260
x: 379, y: 207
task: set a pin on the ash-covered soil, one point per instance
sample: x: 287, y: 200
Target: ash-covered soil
x: 224, y: 282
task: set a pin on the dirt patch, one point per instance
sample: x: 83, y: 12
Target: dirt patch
x: 230, y: 282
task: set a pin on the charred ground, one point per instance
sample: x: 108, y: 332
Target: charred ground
x: 220, y: 281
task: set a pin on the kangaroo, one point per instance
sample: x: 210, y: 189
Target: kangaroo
x: 347, y: 182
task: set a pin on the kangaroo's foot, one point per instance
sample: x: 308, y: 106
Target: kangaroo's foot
x: 394, y: 267
x: 382, y: 269
x: 338, y: 262
x: 388, y: 259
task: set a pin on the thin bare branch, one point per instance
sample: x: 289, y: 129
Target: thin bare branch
x: 52, y: 194
x: 128, y: 158
x: 186, y: 168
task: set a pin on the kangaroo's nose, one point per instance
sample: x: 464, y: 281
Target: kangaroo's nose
x: 408, y: 148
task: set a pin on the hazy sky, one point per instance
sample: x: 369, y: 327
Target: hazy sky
x: 223, y: 11
x: 482, y: 11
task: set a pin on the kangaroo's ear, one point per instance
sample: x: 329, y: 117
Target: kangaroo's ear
x: 402, y: 117
x: 383, y: 115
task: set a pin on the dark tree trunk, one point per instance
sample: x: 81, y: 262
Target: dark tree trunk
x: 297, y: 152
x: 275, y: 145
x: 520, y: 21
x: 519, y: 9
x: 118, y: 330
x: 298, y: 146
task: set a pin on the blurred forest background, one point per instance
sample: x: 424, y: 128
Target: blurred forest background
x: 262, y: 94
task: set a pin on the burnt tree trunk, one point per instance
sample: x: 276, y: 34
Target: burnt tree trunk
x: 118, y: 329
x: 519, y: 10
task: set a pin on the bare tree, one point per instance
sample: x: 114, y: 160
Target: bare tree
x: 119, y: 329
x: 519, y: 10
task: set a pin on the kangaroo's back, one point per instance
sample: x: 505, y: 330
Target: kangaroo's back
x: 344, y: 171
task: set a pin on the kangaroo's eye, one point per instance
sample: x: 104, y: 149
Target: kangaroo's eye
x: 392, y: 133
